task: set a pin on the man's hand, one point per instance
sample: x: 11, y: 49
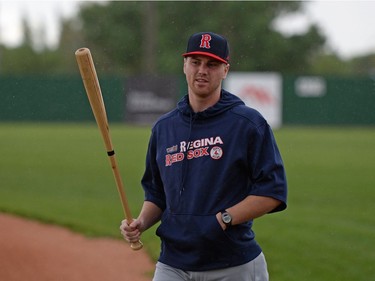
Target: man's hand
x: 130, y: 232
x: 150, y: 214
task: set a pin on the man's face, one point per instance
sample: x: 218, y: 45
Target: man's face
x: 204, y: 75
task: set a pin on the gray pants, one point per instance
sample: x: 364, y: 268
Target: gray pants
x: 255, y: 270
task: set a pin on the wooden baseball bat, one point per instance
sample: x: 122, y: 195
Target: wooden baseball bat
x: 94, y: 94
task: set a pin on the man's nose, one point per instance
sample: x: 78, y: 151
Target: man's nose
x: 203, y: 68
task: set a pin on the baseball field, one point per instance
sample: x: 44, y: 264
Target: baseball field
x: 59, y: 174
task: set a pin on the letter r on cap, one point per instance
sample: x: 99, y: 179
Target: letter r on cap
x: 205, y: 41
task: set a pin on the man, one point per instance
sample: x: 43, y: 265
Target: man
x: 212, y: 167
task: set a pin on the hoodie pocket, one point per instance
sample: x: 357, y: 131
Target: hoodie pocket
x: 196, y: 239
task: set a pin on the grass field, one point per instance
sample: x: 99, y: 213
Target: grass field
x: 59, y: 173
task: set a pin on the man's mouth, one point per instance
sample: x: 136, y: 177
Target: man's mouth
x: 201, y: 80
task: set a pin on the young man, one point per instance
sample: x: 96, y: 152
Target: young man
x: 212, y: 167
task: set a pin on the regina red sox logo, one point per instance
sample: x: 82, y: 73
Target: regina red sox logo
x: 195, y: 149
x: 205, y: 41
x: 216, y: 152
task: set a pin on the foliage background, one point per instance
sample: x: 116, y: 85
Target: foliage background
x: 149, y: 36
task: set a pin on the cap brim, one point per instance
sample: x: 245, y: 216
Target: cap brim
x: 205, y: 54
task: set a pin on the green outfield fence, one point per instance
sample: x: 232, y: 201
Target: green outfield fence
x: 306, y: 100
x: 344, y: 101
x: 55, y: 98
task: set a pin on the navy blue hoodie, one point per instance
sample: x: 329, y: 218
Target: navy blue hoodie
x: 199, y: 164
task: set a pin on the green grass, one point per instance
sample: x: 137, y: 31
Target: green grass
x: 59, y: 173
x: 328, y: 230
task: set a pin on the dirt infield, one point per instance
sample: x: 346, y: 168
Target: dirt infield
x: 34, y: 251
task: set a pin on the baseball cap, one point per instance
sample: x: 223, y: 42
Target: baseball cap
x: 208, y: 44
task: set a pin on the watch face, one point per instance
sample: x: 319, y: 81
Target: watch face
x: 226, y: 218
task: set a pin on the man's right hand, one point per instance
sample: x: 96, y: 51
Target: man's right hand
x: 130, y: 232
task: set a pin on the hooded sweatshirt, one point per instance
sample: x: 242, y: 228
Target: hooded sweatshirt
x: 199, y: 164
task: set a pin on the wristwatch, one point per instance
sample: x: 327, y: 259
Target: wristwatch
x: 226, y: 218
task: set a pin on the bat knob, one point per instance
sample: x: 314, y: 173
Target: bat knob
x: 136, y: 245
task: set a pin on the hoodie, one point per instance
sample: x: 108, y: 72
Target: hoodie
x: 199, y: 164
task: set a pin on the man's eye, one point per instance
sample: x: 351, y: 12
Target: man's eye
x: 212, y: 64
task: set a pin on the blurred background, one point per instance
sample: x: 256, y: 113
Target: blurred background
x: 320, y: 56
x: 46, y: 25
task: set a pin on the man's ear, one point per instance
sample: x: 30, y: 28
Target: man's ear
x: 184, y: 65
x: 226, y: 71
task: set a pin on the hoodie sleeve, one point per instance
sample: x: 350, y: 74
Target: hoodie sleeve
x: 266, y: 166
x: 151, y: 181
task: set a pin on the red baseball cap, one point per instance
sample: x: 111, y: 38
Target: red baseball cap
x: 208, y: 44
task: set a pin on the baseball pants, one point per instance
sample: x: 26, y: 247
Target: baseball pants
x: 255, y: 270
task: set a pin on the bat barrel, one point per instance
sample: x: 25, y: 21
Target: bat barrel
x: 94, y: 94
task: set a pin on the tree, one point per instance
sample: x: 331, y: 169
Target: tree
x: 364, y: 65
x: 113, y: 31
x: 149, y: 37
x: 71, y: 39
x: 330, y: 64
x: 128, y: 34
